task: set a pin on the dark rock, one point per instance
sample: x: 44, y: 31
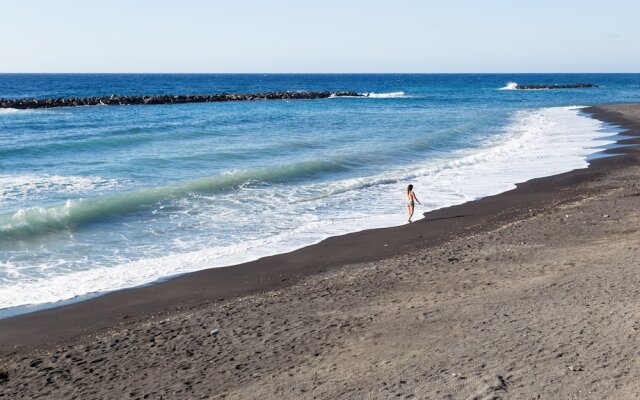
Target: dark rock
x: 556, y: 86
x: 167, y: 99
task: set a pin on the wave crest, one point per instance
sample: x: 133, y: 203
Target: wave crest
x: 10, y: 111
x: 390, y: 95
x: 39, y: 220
x: 28, y: 186
x: 510, y: 86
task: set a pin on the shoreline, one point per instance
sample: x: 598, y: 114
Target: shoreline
x: 61, y: 323
x: 78, y: 286
x: 532, y: 293
x: 24, y: 309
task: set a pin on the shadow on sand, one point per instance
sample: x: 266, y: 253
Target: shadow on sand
x: 439, y: 218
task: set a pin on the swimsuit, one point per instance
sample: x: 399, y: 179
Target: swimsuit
x: 410, y: 202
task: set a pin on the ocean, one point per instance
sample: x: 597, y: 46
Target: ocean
x: 95, y: 199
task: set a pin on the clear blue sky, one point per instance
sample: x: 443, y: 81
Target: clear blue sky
x: 319, y: 36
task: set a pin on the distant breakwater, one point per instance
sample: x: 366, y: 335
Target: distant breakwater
x: 556, y: 86
x: 32, y: 103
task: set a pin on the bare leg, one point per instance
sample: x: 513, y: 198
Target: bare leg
x: 410, y: 210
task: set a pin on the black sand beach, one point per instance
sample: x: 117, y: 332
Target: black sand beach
x: 532, y: 293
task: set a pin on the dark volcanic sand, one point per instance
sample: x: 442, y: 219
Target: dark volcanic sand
x: 533, y: 293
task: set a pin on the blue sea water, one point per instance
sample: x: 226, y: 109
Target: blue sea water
x: 94, y: 199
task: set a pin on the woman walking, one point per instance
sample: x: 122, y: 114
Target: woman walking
x: 411, y: 199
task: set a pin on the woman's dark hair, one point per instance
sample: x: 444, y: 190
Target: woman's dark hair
x: 409, y: 188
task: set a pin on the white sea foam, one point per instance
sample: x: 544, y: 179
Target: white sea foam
x: 19, y: 111
x: 57, y: 287
x: 37, y: 220
x: 510, y: 86
x: 390, y: 95
x: 373, y: 95
x: 11, y: 111
x: 20, y: 188
x: 536, y: 143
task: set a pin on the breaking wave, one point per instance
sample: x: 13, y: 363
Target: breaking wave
x: 510, y: 86
x: 390, y: 95
x: 11, y: 111
x: 38, y: 220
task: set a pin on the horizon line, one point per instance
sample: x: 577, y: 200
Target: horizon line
x: 308, y: 73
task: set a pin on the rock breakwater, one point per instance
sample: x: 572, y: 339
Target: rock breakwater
x: 34, y: 103
x: 556, y: 86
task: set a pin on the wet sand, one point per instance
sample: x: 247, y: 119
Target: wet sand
x: 533, y: 293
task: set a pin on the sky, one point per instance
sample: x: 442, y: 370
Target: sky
x: 281, y: 36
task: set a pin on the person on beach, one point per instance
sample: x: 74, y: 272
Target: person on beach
x: 411, y: 199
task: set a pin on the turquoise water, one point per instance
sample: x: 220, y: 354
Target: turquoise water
x: 94, y: 199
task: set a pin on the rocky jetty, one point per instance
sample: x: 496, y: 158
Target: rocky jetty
x: 32, y: 103
x: 556, y: 86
